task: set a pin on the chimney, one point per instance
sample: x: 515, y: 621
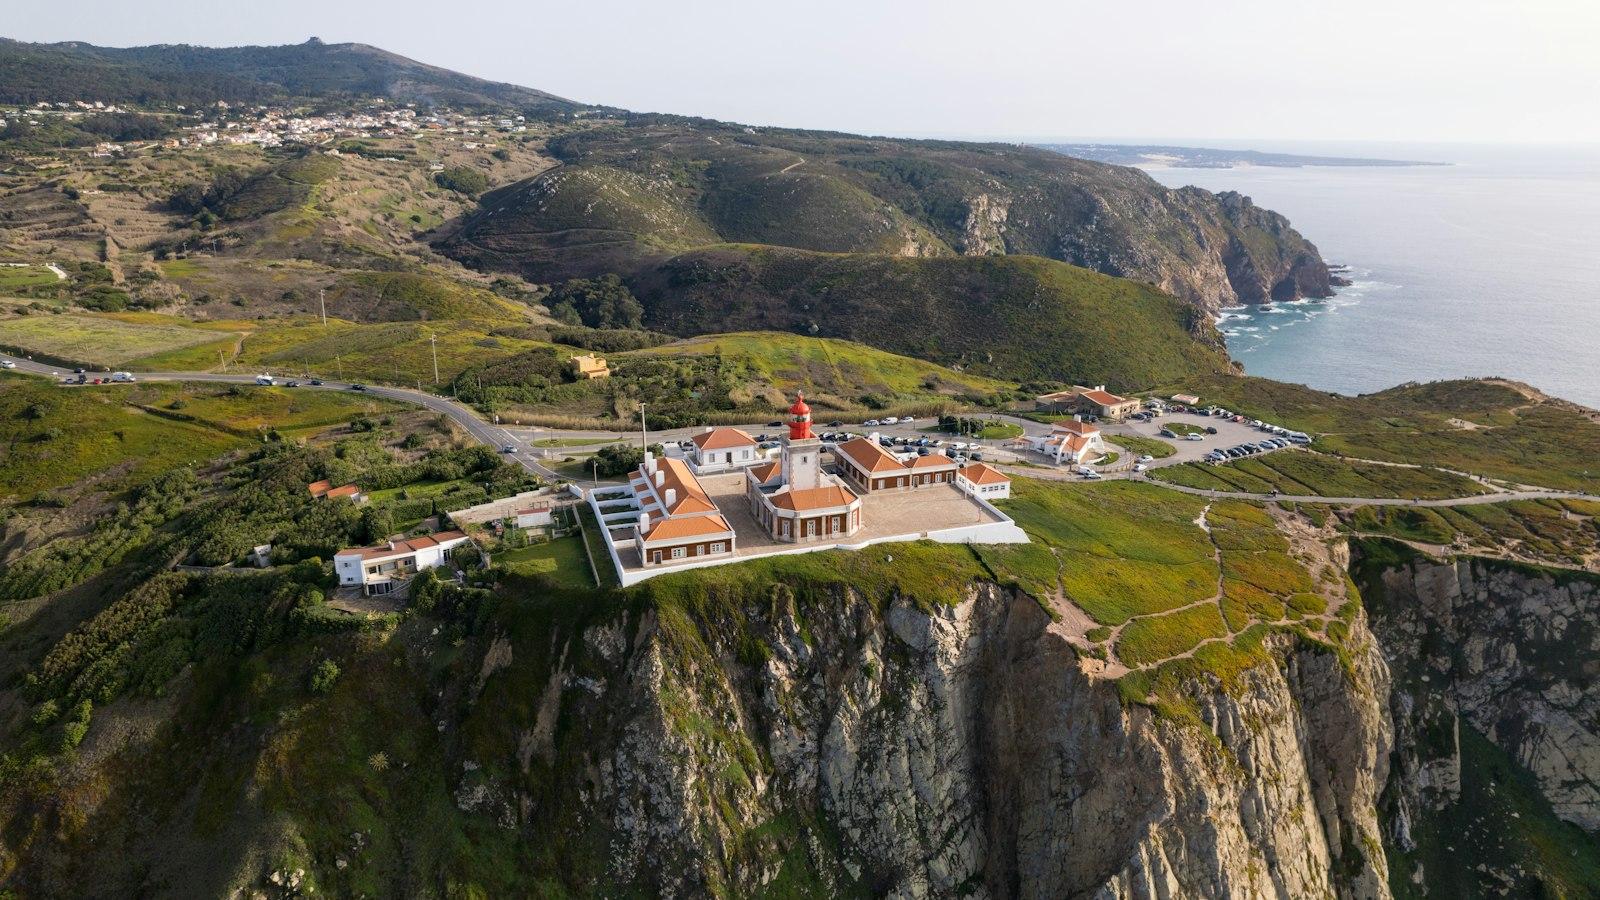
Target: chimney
x: 709, y: 429
x: 1076, y: 417
x: 873, y: 437
x: 661, y: 477
x: 672, y: 498
x: 644, y: 523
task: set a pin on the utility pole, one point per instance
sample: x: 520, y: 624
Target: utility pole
x: 644, y: 438
x: 322, y: 300
x: 340, y: 363
x: 432, y: 348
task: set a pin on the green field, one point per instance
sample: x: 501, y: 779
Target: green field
x: 58, y: 436
x: 1124, y: 549
x: 1157, y: 449
x: 790, y: 361
x: 1155, y: 638
x: 1300, y: 473
x: 1565, y: 531
x: 561, y: 560
x: 17, y: 277
x: 100, y: 341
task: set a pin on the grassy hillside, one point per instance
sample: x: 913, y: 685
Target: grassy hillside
x: 183, y: 74
x: 1013, y: 317
x: 658, y: 185
x: 1489, y: 427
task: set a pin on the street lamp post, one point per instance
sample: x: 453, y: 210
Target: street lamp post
x: 435, y: 351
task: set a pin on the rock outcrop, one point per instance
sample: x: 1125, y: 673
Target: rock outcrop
x: 964, y: 751
x: 1504, y: 649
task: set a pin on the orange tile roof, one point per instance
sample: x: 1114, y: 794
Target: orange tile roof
x: 318, y: 488
x: 825, y: 497
x: 869, y: 456
x: 678, y: 528
x: 1103, y: 398
x: 932, y: 461
x: 692, y: 498
x: 1073, y: 426
x: 722, y: 439
x: 979, y: 473
x: 765, y: 472
x: 402, y: 548
x: 348, y: 490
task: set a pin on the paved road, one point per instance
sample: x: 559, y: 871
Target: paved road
x: 483, y: 432
x: 521, y: 437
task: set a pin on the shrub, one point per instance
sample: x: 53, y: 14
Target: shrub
x: 324, y: 677
x: 462, y: 180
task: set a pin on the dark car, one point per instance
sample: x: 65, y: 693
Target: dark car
x: 291, y: 384
x: 508, y: 449
x: 977, y: 457
x: 358, y: 387
x: 774, y: 424
x: 835, y: 424
x: 1210, y: 430
x: 316, y: 382
x: 78, y: 371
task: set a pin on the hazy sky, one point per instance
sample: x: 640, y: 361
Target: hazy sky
x: 1405, y: 70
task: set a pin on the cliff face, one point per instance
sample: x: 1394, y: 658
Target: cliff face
x: 1494, y: 673
x: 958, y: 752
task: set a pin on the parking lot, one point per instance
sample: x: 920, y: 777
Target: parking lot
x: 1229, y: 434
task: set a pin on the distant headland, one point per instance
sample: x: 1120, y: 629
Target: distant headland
x: 1153, y: 155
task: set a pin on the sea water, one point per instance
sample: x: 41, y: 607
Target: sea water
x: 1489, y: 266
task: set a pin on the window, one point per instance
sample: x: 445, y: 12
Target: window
x: 677, y: 553
x: 719, y: 547
x: 838, y: 524
x: 811, y: 527
x: 783, y: 527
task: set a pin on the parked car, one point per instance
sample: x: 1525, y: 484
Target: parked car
x: 1193, y: 437
x: 1139, y: 467
x: 1146, y: 458
x: 922, y: 451
x: 1211, y: 429
x: 8, y: 364
x: 891, y: 420
x: 774, y: 424
x: 264, y: 379
x: 871, y: 422
x: 316, y: 382
x: 291, y: 384
x: 1091, y: 476
x: 835, y: 424
x: 358, y: 387
x: 1168, y: 433
x: 124, y: 377
x: 78, y: 371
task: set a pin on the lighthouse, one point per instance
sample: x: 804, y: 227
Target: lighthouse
x: 802, y: 451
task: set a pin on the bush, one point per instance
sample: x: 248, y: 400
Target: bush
x: 324, y: 677
x: 603, y: 302
x: 462, y: 180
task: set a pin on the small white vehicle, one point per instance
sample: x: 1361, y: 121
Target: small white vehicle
x: 126, y: 377
x: 8, y: 364
x: 907, y: 420
x: 1139, y: 467
x: 1194, y: 437
x: 871, y: 422
x: 891, y: 420
x: 1147, y: 458
x: 1091, y: 476
x: 1084, y: 471
x: 264, y: 379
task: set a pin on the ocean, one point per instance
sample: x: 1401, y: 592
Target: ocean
x: 1489, y: 266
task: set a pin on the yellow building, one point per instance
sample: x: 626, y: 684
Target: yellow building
x: 590, y: 366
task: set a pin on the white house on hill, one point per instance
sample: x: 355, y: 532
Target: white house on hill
x: 1073, y: 442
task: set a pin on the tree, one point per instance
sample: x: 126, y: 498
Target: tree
x: 376, y: 524
x: 603, y: 302
x: 620, y: 459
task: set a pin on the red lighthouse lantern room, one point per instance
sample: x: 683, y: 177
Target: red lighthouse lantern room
x: 800, y: 419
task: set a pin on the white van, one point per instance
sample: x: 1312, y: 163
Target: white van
x: 122, y: 376
x: 264, y: 379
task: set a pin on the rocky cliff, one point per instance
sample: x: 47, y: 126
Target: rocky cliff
x: 629, y: 199
x: 1496, y: 781
x: 828, y: 746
